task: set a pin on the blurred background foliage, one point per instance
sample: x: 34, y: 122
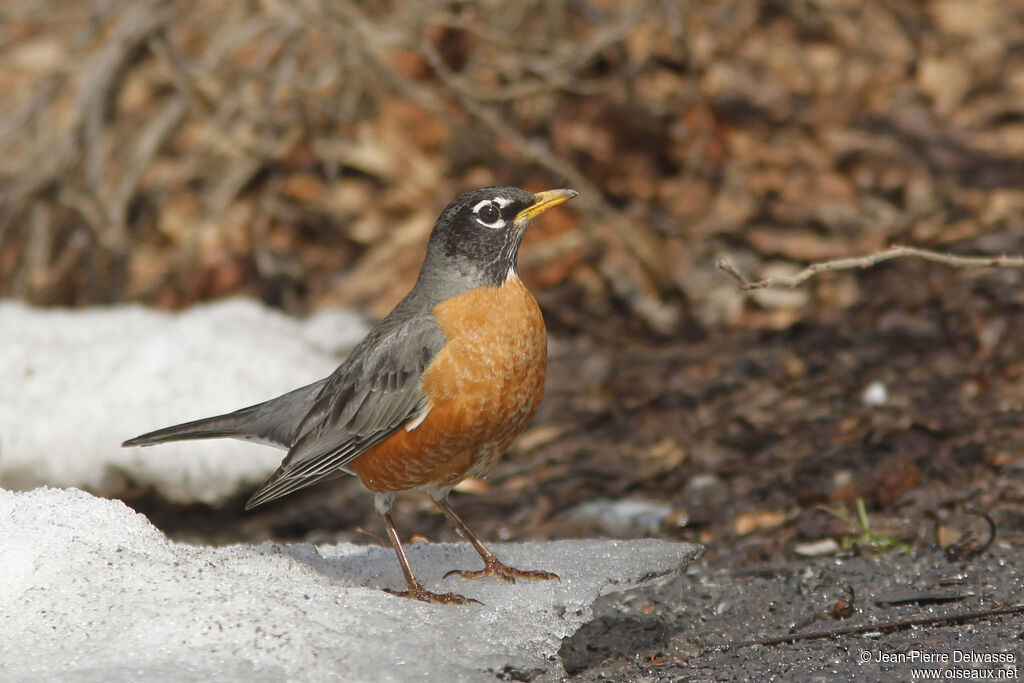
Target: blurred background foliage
x: 171, y: 151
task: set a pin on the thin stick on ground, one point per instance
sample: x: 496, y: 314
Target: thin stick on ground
x: 884, y: 627
x: 893, y: 252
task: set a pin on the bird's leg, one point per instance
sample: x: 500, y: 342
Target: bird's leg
x: 492, y: 567
x: 413, y: 587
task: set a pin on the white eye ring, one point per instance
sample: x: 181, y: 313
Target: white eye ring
x: 495, y: 224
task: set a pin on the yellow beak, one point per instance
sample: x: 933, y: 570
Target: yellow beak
x: 545, y: 201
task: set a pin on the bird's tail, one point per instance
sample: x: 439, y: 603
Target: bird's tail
x: 275, y: 422
x: 217, y: 427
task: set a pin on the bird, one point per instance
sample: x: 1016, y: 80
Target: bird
x: 436, y: 391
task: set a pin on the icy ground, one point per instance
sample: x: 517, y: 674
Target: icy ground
x: 74, y: 384
x: 91, y: 591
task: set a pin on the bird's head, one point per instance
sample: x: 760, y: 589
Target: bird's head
x: 479, y: 233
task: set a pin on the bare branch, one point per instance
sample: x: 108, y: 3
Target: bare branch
x: 147, y: 145
x: 893, y: 252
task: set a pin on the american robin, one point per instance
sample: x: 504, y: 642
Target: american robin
x: 433, y: 394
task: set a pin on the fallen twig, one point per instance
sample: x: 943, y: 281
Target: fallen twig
x: 897, y: 625
x: 893, y: 252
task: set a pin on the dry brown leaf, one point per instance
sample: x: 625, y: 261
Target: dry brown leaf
x: 762, y: 520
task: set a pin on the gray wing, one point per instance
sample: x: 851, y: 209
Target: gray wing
x: 369, y: 397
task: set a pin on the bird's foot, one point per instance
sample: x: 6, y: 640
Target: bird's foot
x: 416, y: 591
x: 492, y: 567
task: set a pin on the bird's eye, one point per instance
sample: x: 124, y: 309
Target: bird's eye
x: 489, y: 213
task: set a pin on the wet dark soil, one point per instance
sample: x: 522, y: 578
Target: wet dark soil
x: 779, y: 621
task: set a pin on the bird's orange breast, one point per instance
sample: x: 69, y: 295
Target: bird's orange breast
x: 482, y: 389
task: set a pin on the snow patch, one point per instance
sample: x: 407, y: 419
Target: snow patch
x: 93, y: 592
x: 74, y: 384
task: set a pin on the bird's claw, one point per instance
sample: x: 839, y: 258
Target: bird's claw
x: 418, y: 592
x: 492, y: 567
